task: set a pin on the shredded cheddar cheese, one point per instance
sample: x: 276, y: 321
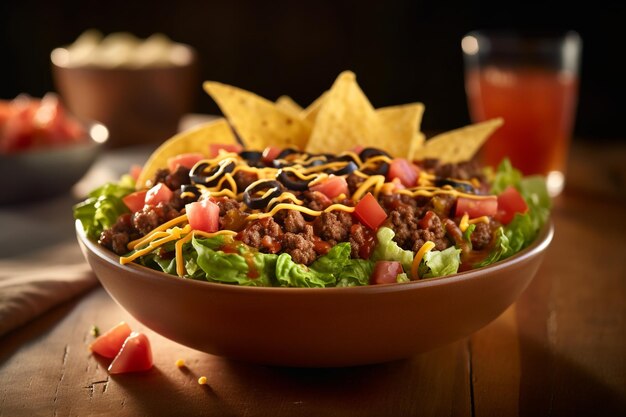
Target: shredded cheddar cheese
x: 426, y: 247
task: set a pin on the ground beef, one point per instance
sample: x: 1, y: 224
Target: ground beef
x: 264, y: 234
x: 393, y: 201
x: 431, y: 229
x: 226, y: 204
x: 481, y: 236
x: 362, y: 241
x: 354, y: 181
x: 173, y: 180
x: 149, y: 217
x: 291, y: 220
x: 412, y: 232
x: 301, y: 249
x: 116, y: 238
x: 243, y: 179
x: 333, y: 226
x: 462, y: 170
x: 315, y: 200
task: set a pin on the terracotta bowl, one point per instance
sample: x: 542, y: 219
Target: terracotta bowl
x: 138, y: 105
x: 38, y: 174
x: 326, y: 327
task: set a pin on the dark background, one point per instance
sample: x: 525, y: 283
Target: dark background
x: 401, y: 51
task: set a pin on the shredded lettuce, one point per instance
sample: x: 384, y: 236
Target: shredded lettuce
x: 233, y: 268
x: 388, y: 250
x: 103, y: 206
x: 440, y: 263
x: 523, y: 229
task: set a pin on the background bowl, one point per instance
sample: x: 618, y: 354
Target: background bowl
x: 323, y: 327
x: 41, y: 173
x: 138, y: 105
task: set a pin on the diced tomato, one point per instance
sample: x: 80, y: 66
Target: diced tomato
x: 187, y: 160
x: 135, y: 171
x: 134, y: 356
x: 270, y: 153
x: 214, y: 148
x: 510, y: 201
x: 386, y: 272
x: 405, y: 171
x: 203, y: 215
x: 475, y: 207
x: 332, y: 187
x: 158, y: 194
x: 135, y: 201
x: 369, y: 212
x: 109, y: 344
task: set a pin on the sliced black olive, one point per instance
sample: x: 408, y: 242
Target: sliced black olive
x: 189, y: 193
x: 368, y: 153
x: 346, y: 157
x: 349, y: 168
x: 286, y: 152
x: 292, y: 182
x: 461, y: 186
x: 211, y: 178
x: 380, y: 169
x: 251, y: 156
x: 188, y: 188
x: 251, y: 200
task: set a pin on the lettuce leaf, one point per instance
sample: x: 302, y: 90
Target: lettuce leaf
x: 103, y: 206
x: 291, y: 274
x: 388, y: 250
x: 523, y: 229
x: 440, y: 263
x: 232, y: 268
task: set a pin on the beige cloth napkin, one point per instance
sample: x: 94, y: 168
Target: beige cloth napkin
x: 31, y: 286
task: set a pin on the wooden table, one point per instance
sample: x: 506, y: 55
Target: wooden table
x: 560, y: 350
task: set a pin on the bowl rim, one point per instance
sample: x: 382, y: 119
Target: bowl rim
x: 88, y: 141
x: 540, y: 244
x: 192, y: 61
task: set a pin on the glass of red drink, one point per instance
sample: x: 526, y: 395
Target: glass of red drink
x: 532, y: 82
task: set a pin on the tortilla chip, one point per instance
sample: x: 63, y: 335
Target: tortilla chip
x: 286, y: 103
x: 310, y: 113
x: 401, y: 124
x: 460, y: 144
x: 345, y: 119
x: 259, y: 122
x: 196, y: 139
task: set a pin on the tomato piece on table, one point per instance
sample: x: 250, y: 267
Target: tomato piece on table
x: 108, y: 344
x: 203, y: 215
x: 214, y: 148
x: 270, y: 153
x: 332, y: 187
x: 187, y: 160
x: 476, y: 207
x: 134, y: 356
x: 386, y: 272
x: 369, y: 212
x: 160, y: 193
x: 510, y: 201
x: 135, y: 201
x: 404, y: 171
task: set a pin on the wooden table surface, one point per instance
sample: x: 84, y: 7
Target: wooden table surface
x: 560, y: 350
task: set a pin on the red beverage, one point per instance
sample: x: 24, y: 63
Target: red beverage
x: 538, y: 108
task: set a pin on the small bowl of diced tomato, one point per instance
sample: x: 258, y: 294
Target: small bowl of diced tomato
x: 44, y: 150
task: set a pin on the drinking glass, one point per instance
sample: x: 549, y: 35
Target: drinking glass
x: 531, y: 81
